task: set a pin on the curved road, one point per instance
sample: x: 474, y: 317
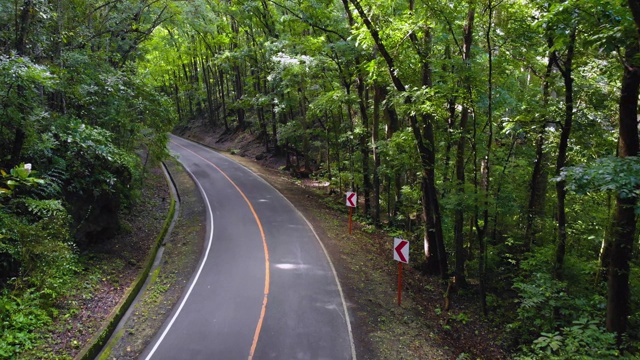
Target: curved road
x: 265, y: 287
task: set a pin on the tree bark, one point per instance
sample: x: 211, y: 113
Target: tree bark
x: 185, y: 71
x: 223, y: 99
x: 451, y: 123
x: 176, y: 93
x: 364, y: 147
x: 207, y: 84
x: 539, y: 176
x: 364, y: 138
x: 485, y: 170
x: 238, y: 85
x: 561, y: 192
x: 624, y: 221
x: 395, y: 181
x: 375, y: 129
x: 458, y: 228
x: 22, y: 27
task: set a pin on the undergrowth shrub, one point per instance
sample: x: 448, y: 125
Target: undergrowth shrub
x: 559, y: 319
x: 37, y: 260
x: 584, y: 339
x: 20, y: 315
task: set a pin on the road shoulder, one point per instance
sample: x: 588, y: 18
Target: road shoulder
x: 167, y: 281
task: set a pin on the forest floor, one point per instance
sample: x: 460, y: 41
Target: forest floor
x: 422, y: 328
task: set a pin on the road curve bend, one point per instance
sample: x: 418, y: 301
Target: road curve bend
x: 265, y: 287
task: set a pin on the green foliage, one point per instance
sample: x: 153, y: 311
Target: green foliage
x: 19, y: 316
x: 76, y: 108
x: 18, y: 177
x: 410, y: 200
x: 35, y: 250
x: 540, y: 296
x: 90, y: 161
x: 21, y: 106
x: 460, y: 317
x: 34, y: 238
x: 399, y: 154
x: 122, y: 102
x: 306, y: 67
x: 612, y: 174
x: 567, y: 317
x: 95, y: 84
x: 584, y: 339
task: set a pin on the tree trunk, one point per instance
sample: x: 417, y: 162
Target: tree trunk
x: 485, y: 169
x: 239, y: 90
x: 22, y: 28
x: 451, y: 123
x: 624, y: 221
x: 262, y: 122
x: 214, y: 94
x: 561, y: 192
x: 237, y: 77
x: 192, y: 113
x: 176, y: 92
x: 362, y: 102
x: 22, y: 31
x: 377, y: 101
x: 458, y: 228
x: 274, y: 127
x: 207, y: 85
x: 364, y: 147
x: 539, y: 176
x: 434, y: 238
x: 393, y: 125
x: 223, y: 99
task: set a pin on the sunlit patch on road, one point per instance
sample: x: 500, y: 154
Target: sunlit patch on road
x: 291, y: 266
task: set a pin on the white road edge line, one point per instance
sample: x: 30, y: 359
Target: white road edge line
x: 195, y: 280
x: 335, y: 275
x: 324, y: 249
x: 326, y: 254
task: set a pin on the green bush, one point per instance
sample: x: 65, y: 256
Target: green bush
x: 584, y: 339
x: 35, y: 247
x: 559, y: 319
x: 20, y: 315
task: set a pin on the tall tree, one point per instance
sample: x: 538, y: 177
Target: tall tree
x: 458, y: 228
x: 624, y: 221
x: 423, y: 132
x: 539, y: 175
x: 565, y: 66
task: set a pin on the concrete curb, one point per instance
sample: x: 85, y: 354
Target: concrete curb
x: 93, y: 348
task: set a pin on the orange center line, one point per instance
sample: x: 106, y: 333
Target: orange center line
x: 265, y: 299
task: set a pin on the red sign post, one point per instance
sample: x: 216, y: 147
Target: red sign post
x: 401, y: 255
x: 352, y: 200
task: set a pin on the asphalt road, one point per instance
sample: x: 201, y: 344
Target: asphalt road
x: 265, y: 287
